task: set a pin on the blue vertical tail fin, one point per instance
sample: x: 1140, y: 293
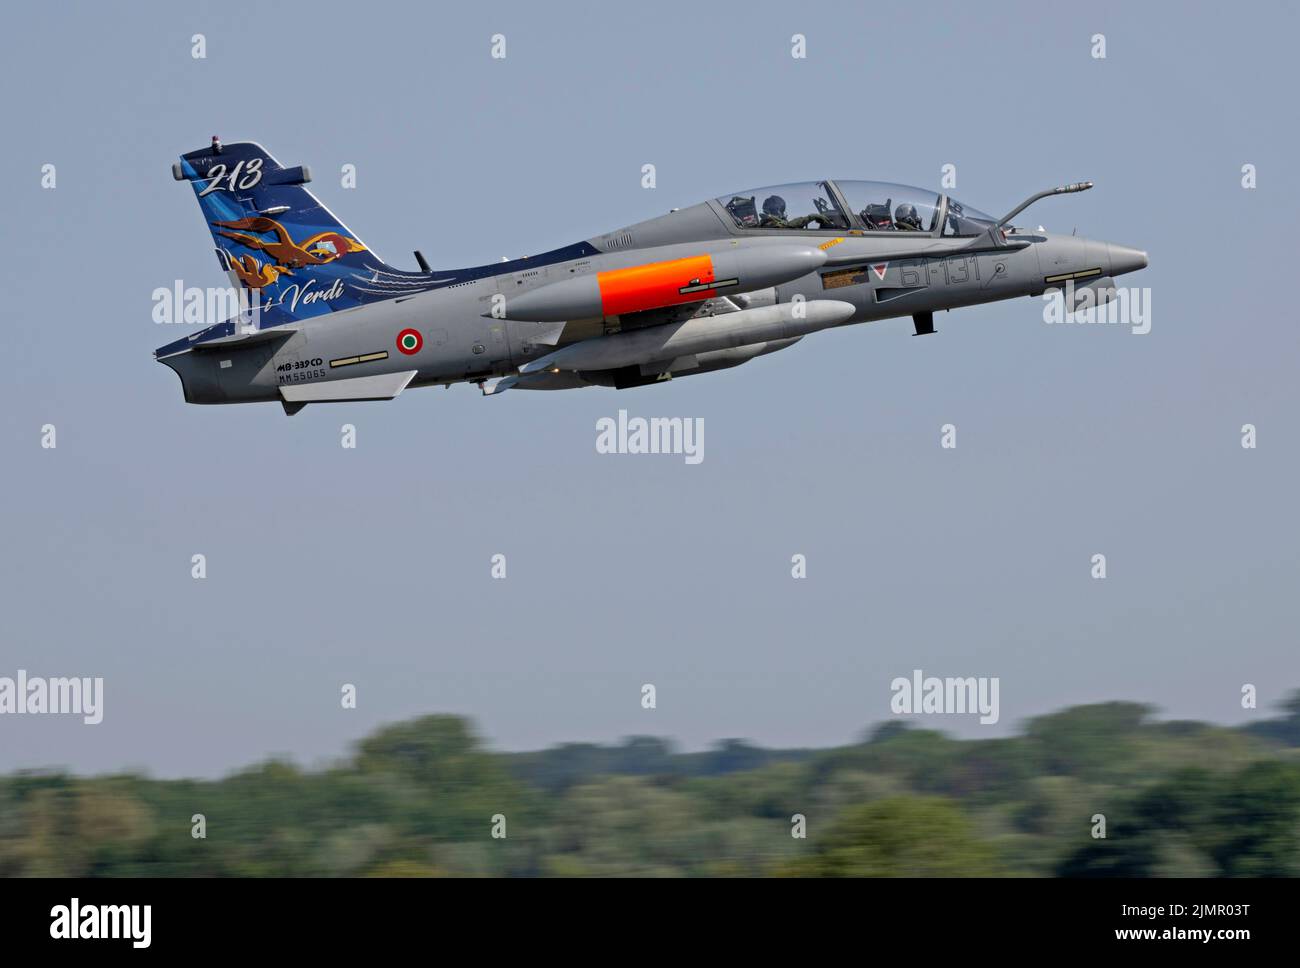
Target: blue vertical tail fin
x: 274, y: 236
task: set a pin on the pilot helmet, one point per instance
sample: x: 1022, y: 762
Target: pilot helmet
x: 774, y: 205
x: 906, y: 215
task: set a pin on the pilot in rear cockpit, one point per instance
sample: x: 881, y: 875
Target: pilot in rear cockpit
x: 774, y: 216
x: 774, y: 213
x: 906, y: 219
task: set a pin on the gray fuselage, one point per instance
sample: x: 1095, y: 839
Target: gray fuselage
x: 465, y: 337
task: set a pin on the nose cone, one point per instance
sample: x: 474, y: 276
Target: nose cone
x: 1124, y: 259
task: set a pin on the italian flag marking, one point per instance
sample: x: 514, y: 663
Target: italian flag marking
x: 409, y: 341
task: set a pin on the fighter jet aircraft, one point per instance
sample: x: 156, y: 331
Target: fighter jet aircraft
x: 697, y: 290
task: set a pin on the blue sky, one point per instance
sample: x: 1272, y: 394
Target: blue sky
x: 371, y: 566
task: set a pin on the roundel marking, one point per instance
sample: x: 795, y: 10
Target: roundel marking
x: 410, y: 342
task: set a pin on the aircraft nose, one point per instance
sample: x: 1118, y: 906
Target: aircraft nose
x: 1123, y: 259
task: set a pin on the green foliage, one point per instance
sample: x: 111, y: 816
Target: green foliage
x: 1242, y: 824
x: 1086, y: 741
x: 418, y: 799
x: 1285, y: 731
x: 900, y: 837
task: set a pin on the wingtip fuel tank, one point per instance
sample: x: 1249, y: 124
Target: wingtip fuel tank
x: 664, y: 282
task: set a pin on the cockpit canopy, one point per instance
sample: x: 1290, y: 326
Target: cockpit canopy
x: 862, y: 206
x: 964, y: 220
x: 805, y: 205
x: 885, y: 207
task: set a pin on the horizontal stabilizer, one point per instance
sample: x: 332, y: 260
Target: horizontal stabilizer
x: 381, y: 386
x: 240, y: 340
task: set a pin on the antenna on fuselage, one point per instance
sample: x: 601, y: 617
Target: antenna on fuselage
x: 424, y: 263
